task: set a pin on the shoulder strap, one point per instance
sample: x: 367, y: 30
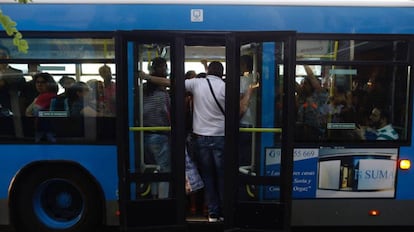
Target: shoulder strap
x: 212, y: 92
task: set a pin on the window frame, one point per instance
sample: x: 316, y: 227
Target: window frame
x: 389, y: 63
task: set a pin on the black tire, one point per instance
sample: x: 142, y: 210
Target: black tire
x: 56, y: 198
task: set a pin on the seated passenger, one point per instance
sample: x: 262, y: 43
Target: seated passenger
x: 79, y: 101
x: 340, y: 110
x: 66, y: 82
x: 47, y: 88
x: 379, y: 127
x: 60, y: 102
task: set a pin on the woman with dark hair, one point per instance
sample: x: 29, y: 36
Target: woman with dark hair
x: 47, y: 88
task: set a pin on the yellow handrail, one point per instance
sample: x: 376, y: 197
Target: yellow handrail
x: 150, y: 128
x: 257, y: 129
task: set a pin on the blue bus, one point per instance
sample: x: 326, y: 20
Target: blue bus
x: 329, y: 144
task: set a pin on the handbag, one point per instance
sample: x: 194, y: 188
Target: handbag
x: 193, y: 181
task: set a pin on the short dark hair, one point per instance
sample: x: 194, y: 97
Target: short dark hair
x: 385, y: 113
x: 215, y: 68
x: 104, y: 67
x: 66, y: 77
x: 190, y: 74
x: 248, y: 61
x: 201, y: 75
x: 156, y: 63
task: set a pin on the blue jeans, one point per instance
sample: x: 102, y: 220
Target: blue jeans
x: 209, y: 153
x: 157, y: 146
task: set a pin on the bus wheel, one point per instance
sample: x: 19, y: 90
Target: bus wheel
x: 56, y: 198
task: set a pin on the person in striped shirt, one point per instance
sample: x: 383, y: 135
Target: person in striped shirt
x: 380, y: 128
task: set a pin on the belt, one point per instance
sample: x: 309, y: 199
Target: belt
x: 197, y: 136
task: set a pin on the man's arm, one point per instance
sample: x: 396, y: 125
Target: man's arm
x: 162, y: 81
x: 314, y: 81
x: 245, y: 98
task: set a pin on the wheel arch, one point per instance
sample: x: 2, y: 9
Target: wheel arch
x: 37, y: 165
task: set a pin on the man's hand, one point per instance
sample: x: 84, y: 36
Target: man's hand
x: 143, y: 76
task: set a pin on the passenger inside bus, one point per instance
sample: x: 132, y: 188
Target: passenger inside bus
x: 156, y: 113
x: 109, y: 91
x: 247, y: 107
x: 11, y: 103
x: 379, y: 127
x: 29, y: 93
x: 60, y: 102
x: 208, y: 128
x: 97, y: 95
x: 47, y: 89
x: 340, y: 109
x: 311, y: 97
x: 79, y: 100
x: 195, y: 196
x: 369, y: 91
x: 65, y: 82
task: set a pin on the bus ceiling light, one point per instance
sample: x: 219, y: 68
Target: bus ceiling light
x: 374, y: 212
x: 405, y: 164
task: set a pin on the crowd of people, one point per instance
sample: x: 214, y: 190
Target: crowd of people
x: 206, y: 102
x: 31, y: 99
x: 317, y: 106
x: 337, y: 113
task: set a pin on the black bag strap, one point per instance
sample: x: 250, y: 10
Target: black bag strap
x: 212, y: 92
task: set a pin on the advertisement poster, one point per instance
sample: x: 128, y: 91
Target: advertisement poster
x: 357, y: 173
x: 304, y: 172
x: 336, y: 172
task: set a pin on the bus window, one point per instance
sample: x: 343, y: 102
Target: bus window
x: 60, y: 57
x: 335, y: 102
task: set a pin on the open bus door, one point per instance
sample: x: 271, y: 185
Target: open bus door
x: 257, y: 193
x: 264, y: 155
x: 149, y: 195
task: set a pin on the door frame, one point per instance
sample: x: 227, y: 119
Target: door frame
x: 178, y: 39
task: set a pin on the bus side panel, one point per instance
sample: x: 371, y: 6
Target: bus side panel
x: 310, y: 19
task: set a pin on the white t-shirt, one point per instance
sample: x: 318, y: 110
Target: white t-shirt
x: 208, y: 120
x: 248, y: 117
